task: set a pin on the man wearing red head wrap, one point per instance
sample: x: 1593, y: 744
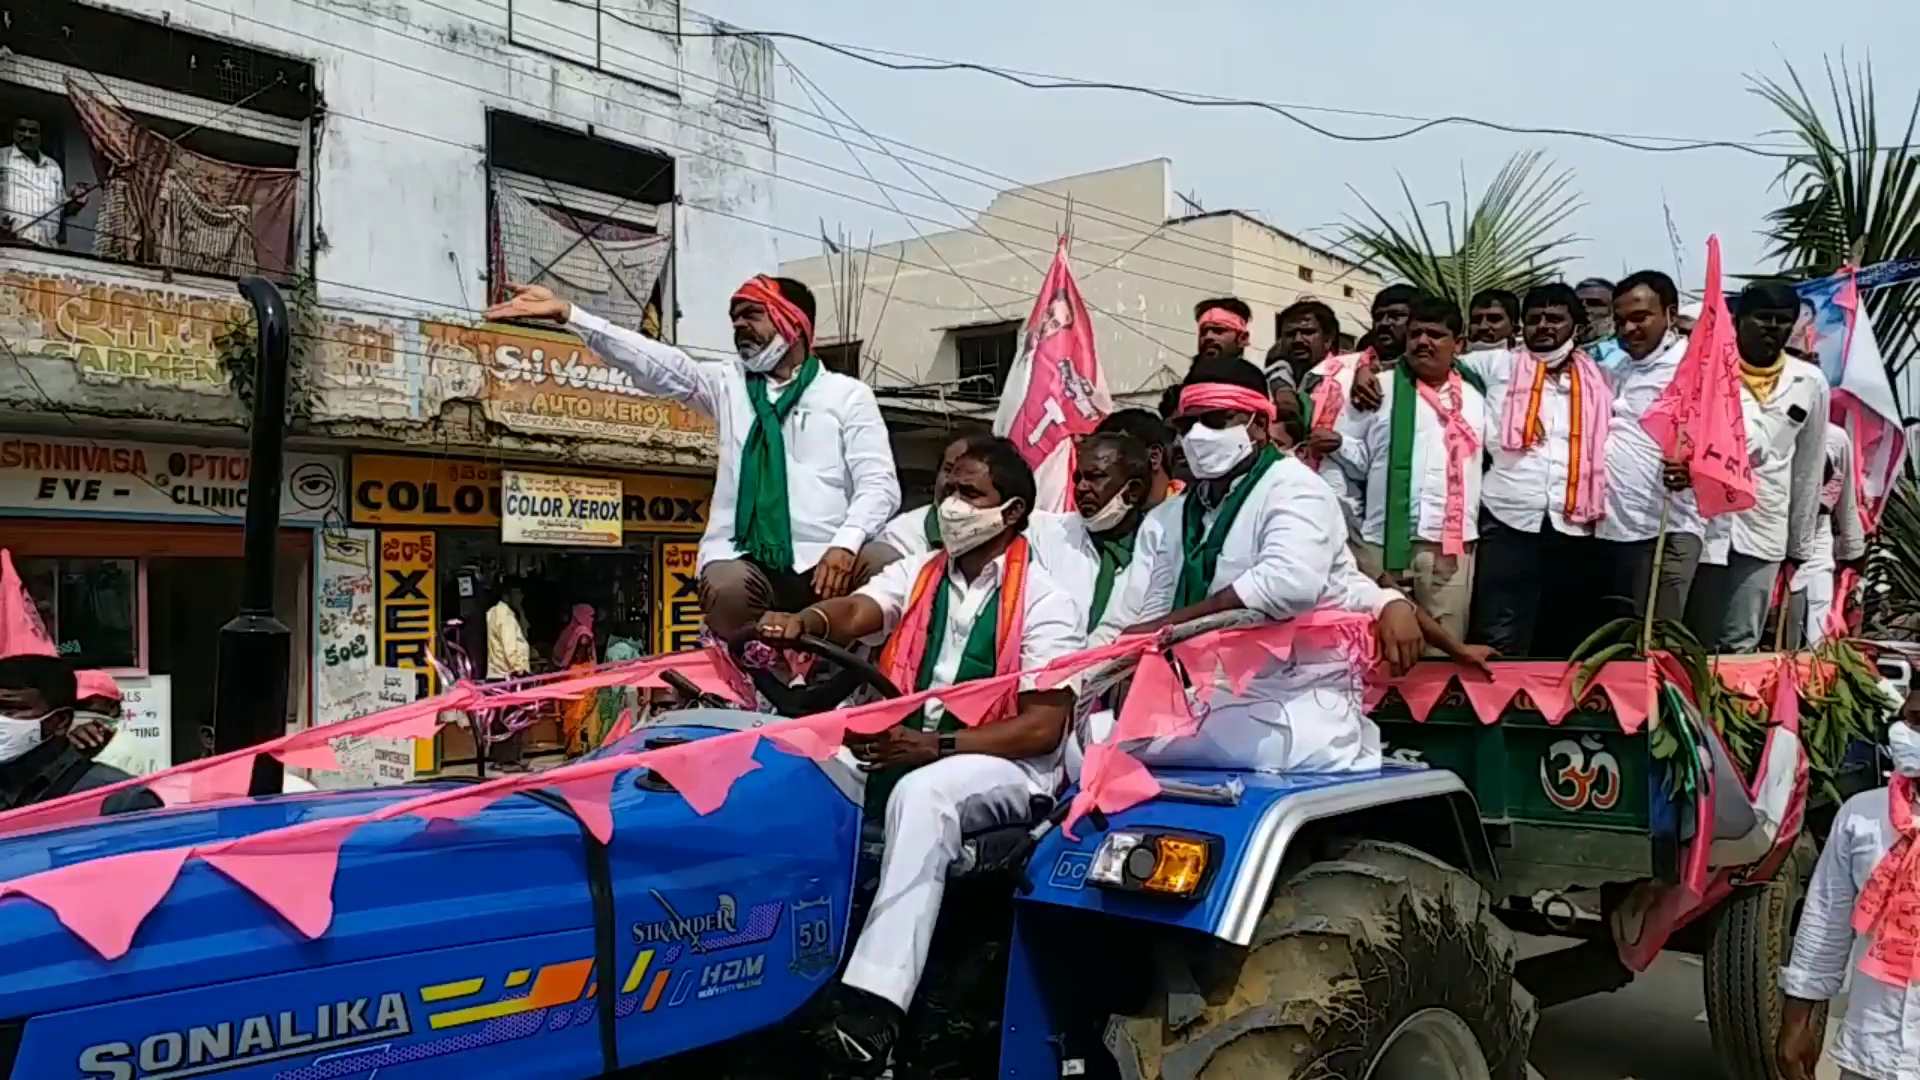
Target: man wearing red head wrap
x: 1260, y: 531
x: 806, y: 473
x: 1222, y: 326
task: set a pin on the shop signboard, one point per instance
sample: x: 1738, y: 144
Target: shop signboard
x: 549, y: 383
x: 143, y: 743
x: 350, y: 684
x: 406, y: 614
x: 392, y: 490
x: 677, y: 614
x: 568, y: 511
x: 62, y: 475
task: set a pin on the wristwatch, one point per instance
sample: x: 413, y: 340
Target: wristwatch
x: 948, y: 746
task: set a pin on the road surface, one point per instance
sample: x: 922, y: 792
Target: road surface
x: 1655, y: 1029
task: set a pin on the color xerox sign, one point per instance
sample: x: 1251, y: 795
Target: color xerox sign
x: 436, y: 492
x: 549, y: 508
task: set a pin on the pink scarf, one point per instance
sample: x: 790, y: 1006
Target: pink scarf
x: 905, y: 650
x: 1330, y: 398
x: 1889, y: 907
x: 1591, y: 409
x: 581, y: 626
x: 1462, y: 443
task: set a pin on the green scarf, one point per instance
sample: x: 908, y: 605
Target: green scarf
x: 1116, y: 554
x: 1398, y: 553
x: 1199, y: 546
x: 762, y: 529
x: 932, y: 529
x: 976, y: 662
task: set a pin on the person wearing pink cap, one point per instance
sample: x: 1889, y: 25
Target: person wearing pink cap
x: 38, y: 763
x: 96, y: 711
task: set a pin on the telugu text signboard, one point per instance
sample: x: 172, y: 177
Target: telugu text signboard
x: 44, y: 472
x: 407, y: 618
x: 552, y: 384
x: 421, y: 491
x: 677, y: 614
x: 549, y: 508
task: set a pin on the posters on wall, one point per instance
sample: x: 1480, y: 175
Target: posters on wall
x: 143, y: 743
x: 350, y: 683
x: 569, y: 511
x: 677, y: 612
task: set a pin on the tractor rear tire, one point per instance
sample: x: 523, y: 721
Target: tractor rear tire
x: 1384, y: 964
x: 1752, y: 941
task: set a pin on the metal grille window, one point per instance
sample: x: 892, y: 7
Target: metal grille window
x: 608, y: 254
x: 985, y: 356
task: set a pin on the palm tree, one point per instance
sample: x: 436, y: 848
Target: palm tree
x: 1852, y: 198
x: 1510, y: 238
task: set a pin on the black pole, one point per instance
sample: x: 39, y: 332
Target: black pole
x: 250, y: 689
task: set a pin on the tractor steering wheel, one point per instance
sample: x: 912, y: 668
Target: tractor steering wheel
x: 796, y: 701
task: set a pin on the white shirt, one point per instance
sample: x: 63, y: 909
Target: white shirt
x: 1353, y: 497
x: 1063, y: 545
x: 1366, y: 456
x: 1789, y: 458
x: 31, y: 193
x: 1880, y: 1037
x: 841, y: 485
x: 1523, y: 487
x: 1285, y: 555
x: 1636, y: 480
x: 1837, y: 535
x: 1054, y: 624
x: 907, y: 533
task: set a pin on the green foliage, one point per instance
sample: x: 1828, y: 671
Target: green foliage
x: 1511, y: 237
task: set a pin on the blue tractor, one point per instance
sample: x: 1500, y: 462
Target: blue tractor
x: 1239, y: 925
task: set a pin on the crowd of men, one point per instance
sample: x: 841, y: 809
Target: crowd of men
x: 1368, y: 483
x: 1496, y: 470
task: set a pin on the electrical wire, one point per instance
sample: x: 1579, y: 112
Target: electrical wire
x: 691, y: 151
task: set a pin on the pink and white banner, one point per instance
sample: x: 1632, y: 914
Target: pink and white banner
x: 1055, y: 391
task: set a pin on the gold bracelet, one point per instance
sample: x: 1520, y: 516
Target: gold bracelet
x: 826, y: 623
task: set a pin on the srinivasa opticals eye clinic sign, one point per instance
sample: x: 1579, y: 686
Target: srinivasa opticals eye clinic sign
x: 155, y: 479
x: 423, y: 492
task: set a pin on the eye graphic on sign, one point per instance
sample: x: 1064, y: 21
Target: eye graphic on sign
x: 314, y: 486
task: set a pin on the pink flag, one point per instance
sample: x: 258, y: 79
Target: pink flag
x: 21, y: 631
x: 1698, y: 419
x: 1055, y: 391
x: 290, y: 870
x: 703, y: 771
x: 1111, y: 780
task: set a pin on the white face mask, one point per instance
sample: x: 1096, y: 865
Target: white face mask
x: 1904, y: 743
x: 1111, y: 515
x: 17, y: 736
x: 964, y: 526
x: 767, y: 358
x: 1213, y: 452
x: 1554, y: 358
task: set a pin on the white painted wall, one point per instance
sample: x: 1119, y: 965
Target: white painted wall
x: 401, y: 197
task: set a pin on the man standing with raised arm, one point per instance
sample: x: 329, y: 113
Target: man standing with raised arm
x: 806, y: 474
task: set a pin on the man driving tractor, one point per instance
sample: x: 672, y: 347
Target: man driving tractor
x: 980, y: 606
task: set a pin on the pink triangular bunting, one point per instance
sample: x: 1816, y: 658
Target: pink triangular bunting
x: 816, y: 737
x: 290, y: 871
x: 104, y: 901
x: 704, y: 771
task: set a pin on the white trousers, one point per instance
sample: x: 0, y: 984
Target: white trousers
x: 931, y: 808
x: 1820, y: 590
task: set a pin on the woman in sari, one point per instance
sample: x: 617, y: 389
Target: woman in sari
x: 575, y: 651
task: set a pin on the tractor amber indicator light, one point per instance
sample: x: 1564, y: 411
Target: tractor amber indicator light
x: 1180, y: 865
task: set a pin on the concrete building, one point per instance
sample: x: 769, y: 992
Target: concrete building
x: 392, y: 166
x: 935, y: 318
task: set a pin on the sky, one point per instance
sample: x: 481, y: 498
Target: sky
x: 1679, y: 68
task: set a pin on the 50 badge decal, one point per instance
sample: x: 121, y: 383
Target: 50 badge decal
x: 813, y: 952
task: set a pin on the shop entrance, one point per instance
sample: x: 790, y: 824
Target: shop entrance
x: 473, y: 567
x: 189, y: 601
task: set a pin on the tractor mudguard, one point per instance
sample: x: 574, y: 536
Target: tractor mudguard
x: 1253, y: 836
x: 503, y: 944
